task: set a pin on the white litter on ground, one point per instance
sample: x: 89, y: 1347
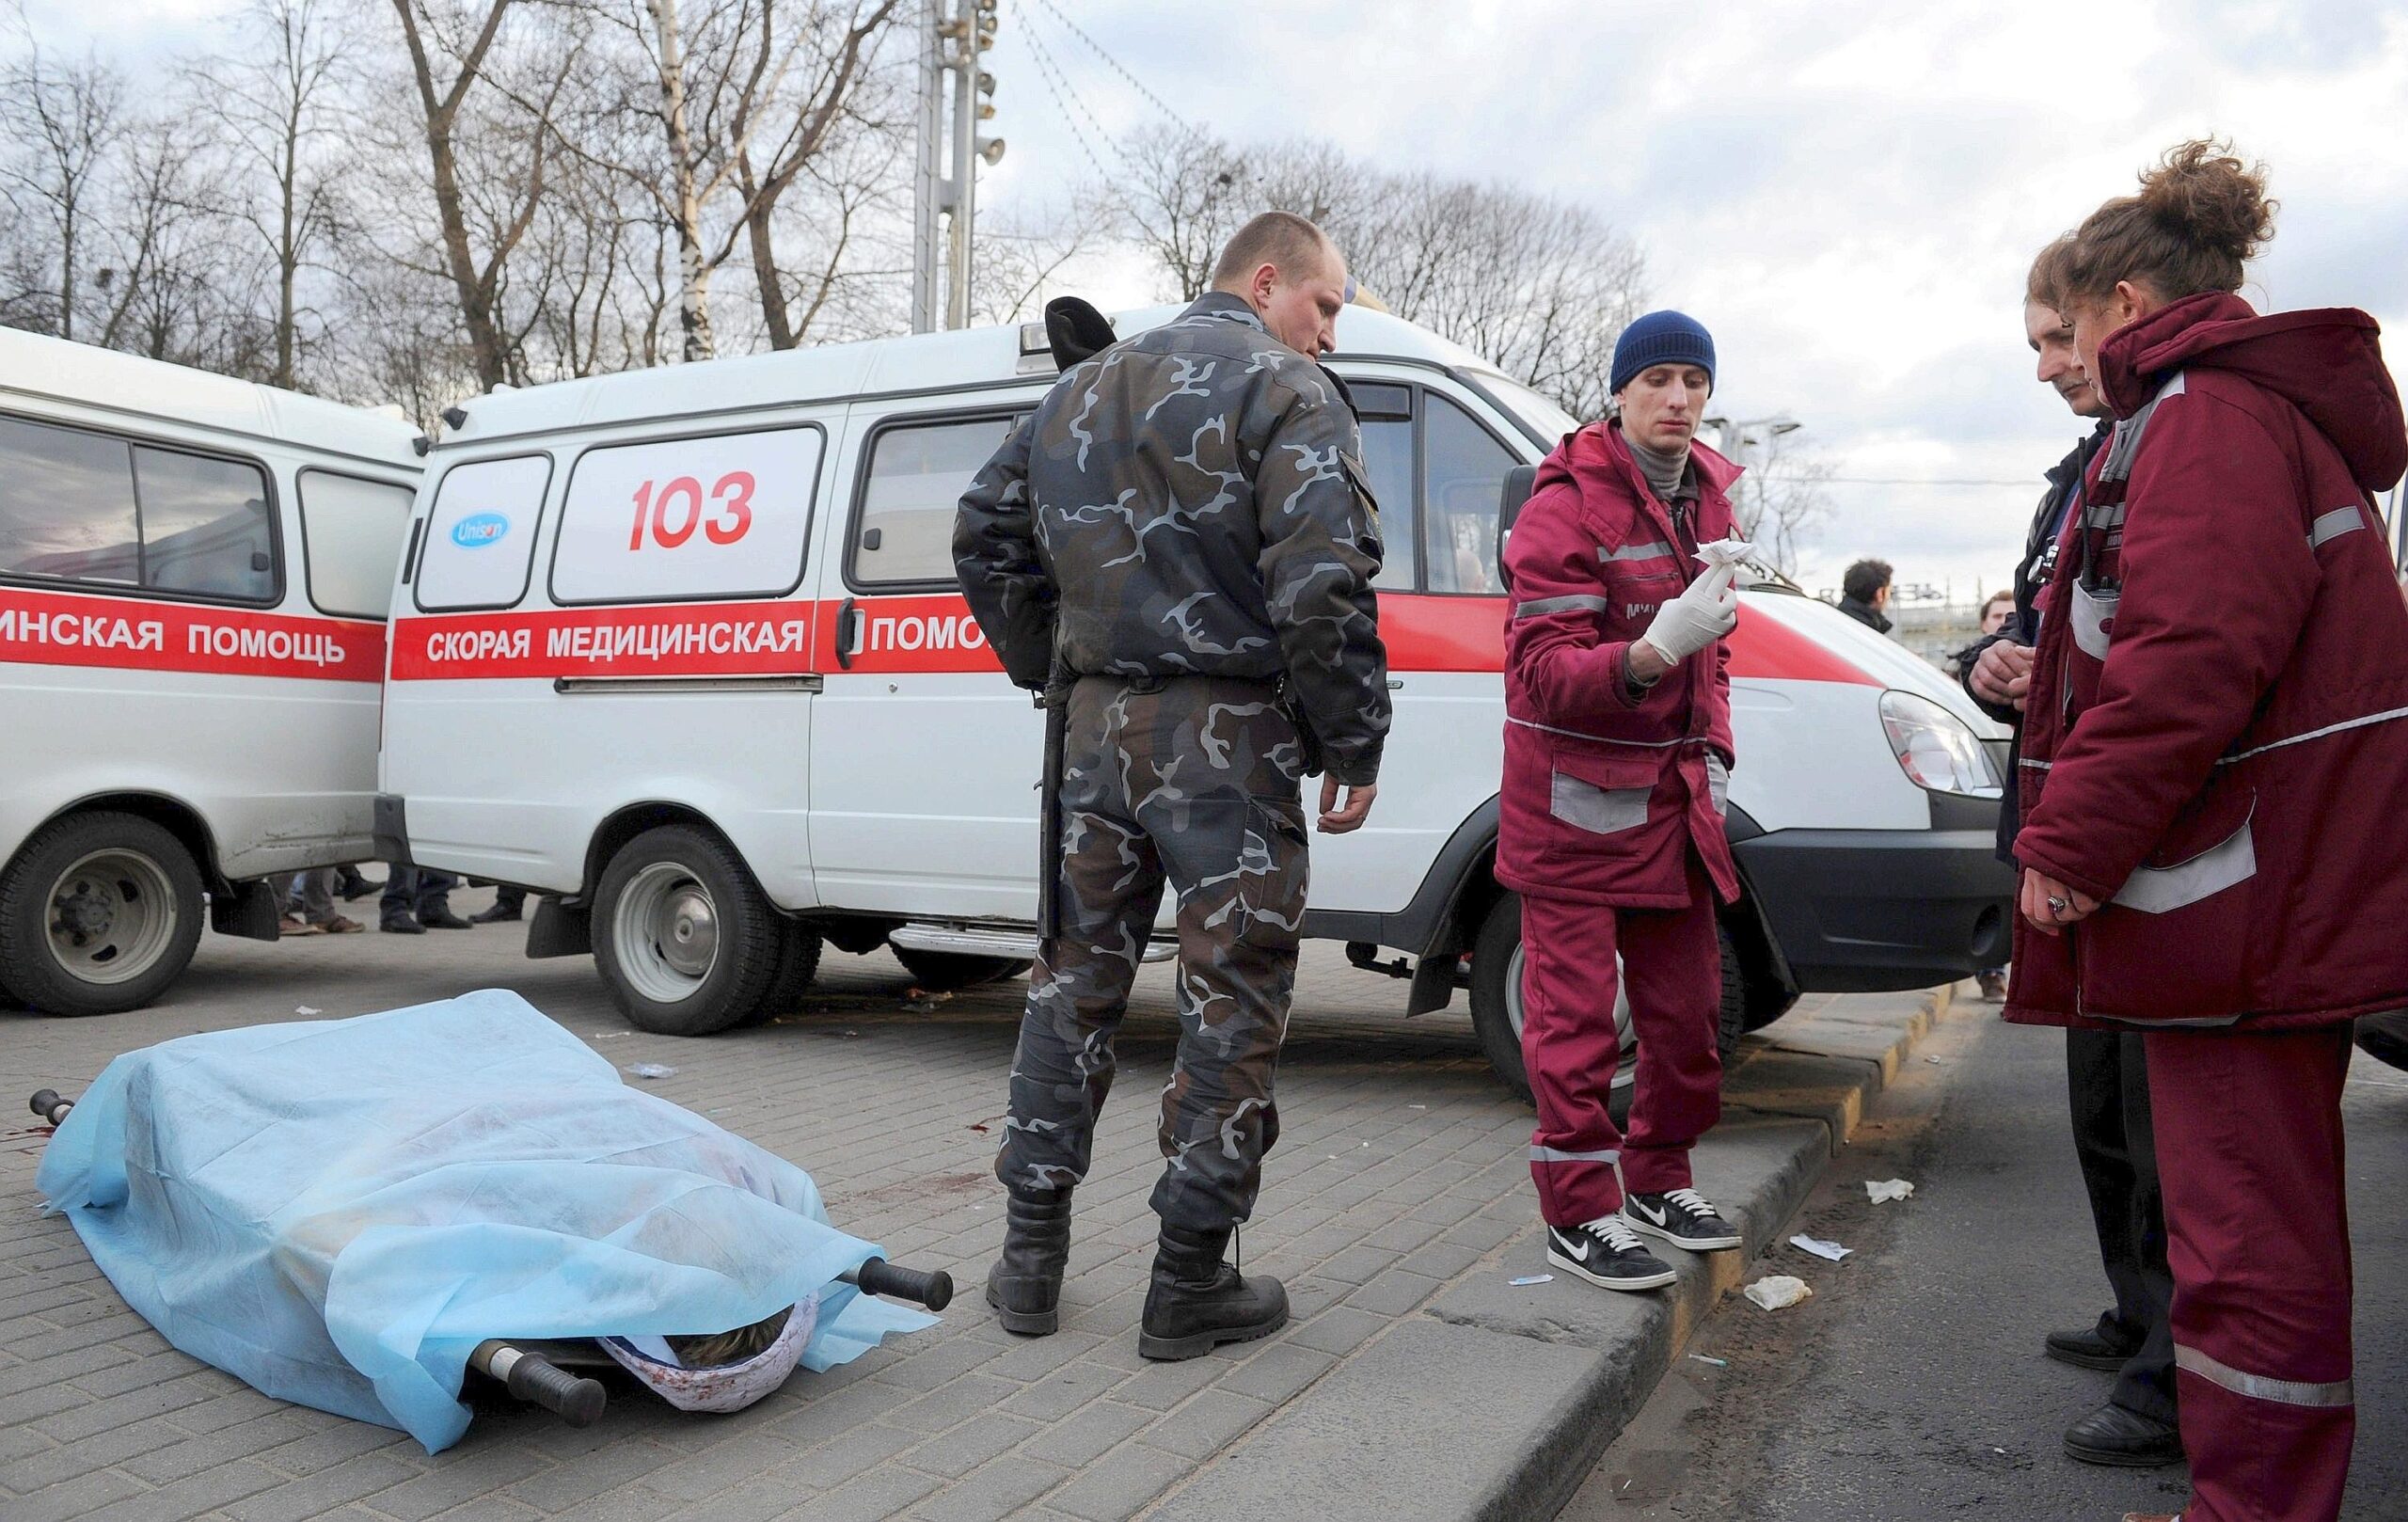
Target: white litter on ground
x: 1879, y: 1189
x: 1777, y: 1292
x: 1718, y: 1363
x: 1533, y: 1279
x: 650, y: 1070
x: 307, y: 1010
x: 1832, y: 1251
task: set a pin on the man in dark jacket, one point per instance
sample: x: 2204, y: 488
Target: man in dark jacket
x: 2106, y: 1071
x: 1864, y: 594
x: 1178, y: 546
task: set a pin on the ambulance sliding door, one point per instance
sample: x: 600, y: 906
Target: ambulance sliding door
x: 925, y: 759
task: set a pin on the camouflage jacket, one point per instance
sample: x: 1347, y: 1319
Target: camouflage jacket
x: 1191, y: 502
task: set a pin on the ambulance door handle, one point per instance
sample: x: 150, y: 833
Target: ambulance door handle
x: 848, y: 626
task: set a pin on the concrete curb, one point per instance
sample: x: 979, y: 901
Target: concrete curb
x: 1495, y: 1401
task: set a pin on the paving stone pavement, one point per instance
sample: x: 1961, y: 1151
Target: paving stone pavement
x: 1400, y: 1167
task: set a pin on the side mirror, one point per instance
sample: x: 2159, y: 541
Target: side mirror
x: 1516, y: 491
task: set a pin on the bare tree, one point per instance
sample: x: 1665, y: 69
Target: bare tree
x: 1540, y: 288
x: 449, y: 51
x: 66, y: 121
x: 279, y: 103
x: 736, y: 99
x: 1783, y: 502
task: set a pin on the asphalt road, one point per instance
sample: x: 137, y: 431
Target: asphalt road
x: 1911, y: 1385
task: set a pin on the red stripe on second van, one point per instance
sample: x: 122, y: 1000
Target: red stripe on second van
x: 42, y: 628
x: 936, y: 633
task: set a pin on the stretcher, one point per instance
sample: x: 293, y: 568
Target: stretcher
x: 372, y: 1216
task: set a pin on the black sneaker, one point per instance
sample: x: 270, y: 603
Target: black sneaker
x: 1605, y: 1252
x: 1681, y: 1218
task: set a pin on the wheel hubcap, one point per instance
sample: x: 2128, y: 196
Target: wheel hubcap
x: 112, y: 916
x: 666, y: 929
x: 1625, y: 1072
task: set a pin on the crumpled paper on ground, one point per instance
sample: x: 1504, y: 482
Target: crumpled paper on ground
x: 1777, y: 1292
x: 1880, y: 1190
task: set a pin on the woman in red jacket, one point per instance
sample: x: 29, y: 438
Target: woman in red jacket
x: 2215, y: 746
x: 1616, y: 757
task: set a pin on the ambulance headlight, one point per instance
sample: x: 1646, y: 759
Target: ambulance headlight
x: 1936, y: 749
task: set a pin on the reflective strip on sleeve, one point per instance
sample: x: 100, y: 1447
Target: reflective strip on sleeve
x: 1550, y: 1154
x: 1560, y: 605
x: 2227, y: 864
x: 2385, y: 717
x: 2259, y: 1388
x: 1653, y: 549
x: 2331, y: 526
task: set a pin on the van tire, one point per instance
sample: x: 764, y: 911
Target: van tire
x: 944, y: 972
x: 799, y: 948
x: 671, y: 881
x: 1495, y: 957
x: 138, y: 887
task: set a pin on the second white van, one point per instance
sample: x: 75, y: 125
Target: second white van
x: 682, y: 650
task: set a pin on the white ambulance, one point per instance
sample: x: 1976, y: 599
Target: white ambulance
x: 193, y: 579
x: 682, y: 650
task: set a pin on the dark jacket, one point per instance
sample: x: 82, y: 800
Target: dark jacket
x: 1866, y: 614
x: 1191, y: 502
x: 2216, y: 740
x: 1606, y: 788
x: 2023, y: 626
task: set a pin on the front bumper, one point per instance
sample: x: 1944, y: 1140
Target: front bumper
x: 1871, y: 910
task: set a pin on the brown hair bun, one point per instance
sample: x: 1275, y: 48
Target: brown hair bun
x: 2201, y: 215
x: 2201, y: 191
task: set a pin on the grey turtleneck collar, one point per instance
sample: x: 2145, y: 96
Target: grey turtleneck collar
x: 1663, y: 470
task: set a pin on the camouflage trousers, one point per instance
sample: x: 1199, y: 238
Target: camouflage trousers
x: 1192, y: 782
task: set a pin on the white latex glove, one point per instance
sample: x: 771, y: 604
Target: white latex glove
x: 1706, y: 611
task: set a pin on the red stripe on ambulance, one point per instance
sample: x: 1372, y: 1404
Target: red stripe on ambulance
x: 65, y: 629
x: 769, y: 638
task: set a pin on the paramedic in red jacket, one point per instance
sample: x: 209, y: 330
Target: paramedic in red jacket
x: 2215, y: 745
x: 1617, y: 760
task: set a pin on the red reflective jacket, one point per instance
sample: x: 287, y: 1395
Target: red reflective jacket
x: 2216, y: 736
x: 1605, y: 793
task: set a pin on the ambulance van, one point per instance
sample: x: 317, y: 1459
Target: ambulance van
x: 682, y: 650
x: 193, y: 579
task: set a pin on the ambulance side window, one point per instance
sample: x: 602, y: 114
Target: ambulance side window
x: 480, y: 534
x: 90, y: 507
x: 1386, y: 415
x: 917, y: 471
x: 722, y: 516
x: 1463, y: 468
x: 205, y: 526
x: 351, y: 538
x: 66, y: 505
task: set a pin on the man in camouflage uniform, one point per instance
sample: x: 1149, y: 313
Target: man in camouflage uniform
x: 1179, y: 547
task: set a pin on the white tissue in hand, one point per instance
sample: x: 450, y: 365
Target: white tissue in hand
x: 1724, y: 556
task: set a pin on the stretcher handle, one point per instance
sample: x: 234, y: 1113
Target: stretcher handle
x: 47, y: 1104
x: 877, y: 1276
x: 538, y: 1381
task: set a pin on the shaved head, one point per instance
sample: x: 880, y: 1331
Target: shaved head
x: 1281, y: 239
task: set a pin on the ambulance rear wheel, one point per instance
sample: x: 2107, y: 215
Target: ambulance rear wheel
x: 98, y: 914
x: 1497, y: 1002
x: 687, y: 941
x: 943, y: 972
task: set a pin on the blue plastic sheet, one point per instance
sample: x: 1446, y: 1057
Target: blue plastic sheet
x: 338, y: 1211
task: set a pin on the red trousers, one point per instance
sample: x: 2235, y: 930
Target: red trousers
x: 2249, y: 1152
x: 1673, y: 965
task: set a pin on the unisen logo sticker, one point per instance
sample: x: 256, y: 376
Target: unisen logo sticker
x: 478, y: 529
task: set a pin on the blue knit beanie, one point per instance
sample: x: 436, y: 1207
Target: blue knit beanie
x: 1662, y: 337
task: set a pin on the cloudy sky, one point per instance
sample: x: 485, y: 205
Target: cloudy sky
x: 1847, y: 192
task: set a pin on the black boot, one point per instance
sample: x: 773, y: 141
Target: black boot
x: 1025, y: 1284
x: 1197, y: 1302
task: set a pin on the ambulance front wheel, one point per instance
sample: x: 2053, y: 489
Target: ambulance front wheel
x: 1497, y: 1002
x: 99, y: 913
x: 685, y: 938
